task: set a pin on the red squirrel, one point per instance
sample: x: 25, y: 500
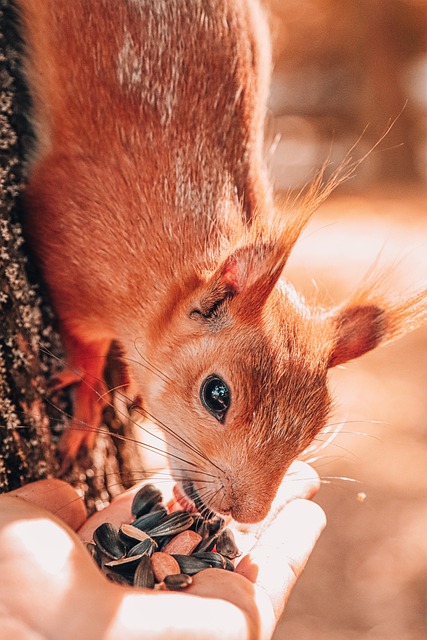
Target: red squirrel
x: 149, y: 210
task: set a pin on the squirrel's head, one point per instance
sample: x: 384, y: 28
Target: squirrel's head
x: 243, y: 364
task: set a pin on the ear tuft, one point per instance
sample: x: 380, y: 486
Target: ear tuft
x: 358, y: 329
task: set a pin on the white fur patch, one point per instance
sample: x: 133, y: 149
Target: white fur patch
x: 294, y: 298
x: 129, y: 67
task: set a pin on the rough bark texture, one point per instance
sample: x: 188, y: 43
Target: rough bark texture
x: 31, y: 418
x: 25, y: 442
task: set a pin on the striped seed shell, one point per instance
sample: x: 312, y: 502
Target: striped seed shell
x: 146, y: 547
x: 163, y: 540
x: 226, y: 544
x: 145, y: 499
x: 144, y: 576
x: 215, y: 560
x: 150, y: 520
x: 124, y: 566
x: 215, y: 524
x: 159, y: 506
x: 200, y: 525
x: 118, y: 578
x: 131, y: 535
x: 229, y: 566
x: 178, y: 581
x: 190, y: 565
x: 207, y: 544
x: 106, y: 538
x: 172, y: 524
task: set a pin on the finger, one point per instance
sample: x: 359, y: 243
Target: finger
x: 50, y: 586
x: 53, y: 589
x: 175, y: 616
x: 120, y: 509
x: 278, y: 559
x: 57, y: 497
x: 300, y: 481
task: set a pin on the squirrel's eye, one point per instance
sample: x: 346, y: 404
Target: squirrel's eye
x: 215, y: 396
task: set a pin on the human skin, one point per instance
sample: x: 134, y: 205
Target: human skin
x: 51, y: 588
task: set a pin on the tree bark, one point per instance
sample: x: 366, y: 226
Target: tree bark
x: 31, y: 419
x: 25, y: 441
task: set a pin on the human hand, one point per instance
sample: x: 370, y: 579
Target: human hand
x: 51, y: 586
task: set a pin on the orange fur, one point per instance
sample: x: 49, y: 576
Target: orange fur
x: 150, y: 213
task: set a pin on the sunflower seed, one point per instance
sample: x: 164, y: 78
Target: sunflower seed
x: 215, y: 524
x: 150, y: 520
x: 226, y: 544
x: 130, y: 534
x: 124, y: 566
x: 229, y: 566
x: 117, y: 578
x: 144, y: 576
x: 172, y: 524
x: 189, y: 564
x: 200, y: 526
x: 106, y: 538
x: 207, y: 544
x: 178, y: 581
x: 214, y: 559
x: 162, y: 541
x: 159, y: 506
x: 145, y: 547
x: 153, y: 551
x: 145, y: 499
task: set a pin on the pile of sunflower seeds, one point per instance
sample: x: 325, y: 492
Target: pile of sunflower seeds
x: 162, y: 550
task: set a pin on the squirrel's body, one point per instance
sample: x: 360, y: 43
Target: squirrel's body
x: 128, y: 132
x: 150, y: 213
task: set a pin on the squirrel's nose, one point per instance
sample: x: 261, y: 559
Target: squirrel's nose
x: 249, y: 511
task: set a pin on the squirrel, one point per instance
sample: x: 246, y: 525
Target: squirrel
x: 150, y: 212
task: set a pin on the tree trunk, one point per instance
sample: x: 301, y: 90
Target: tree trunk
x: 31, y: 420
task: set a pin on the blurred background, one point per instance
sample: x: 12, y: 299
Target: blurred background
x: 343, y: 71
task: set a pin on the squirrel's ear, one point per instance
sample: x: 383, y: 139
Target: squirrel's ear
x: 248, y: 274
x: 360, y: 325
x: 357, y: 330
